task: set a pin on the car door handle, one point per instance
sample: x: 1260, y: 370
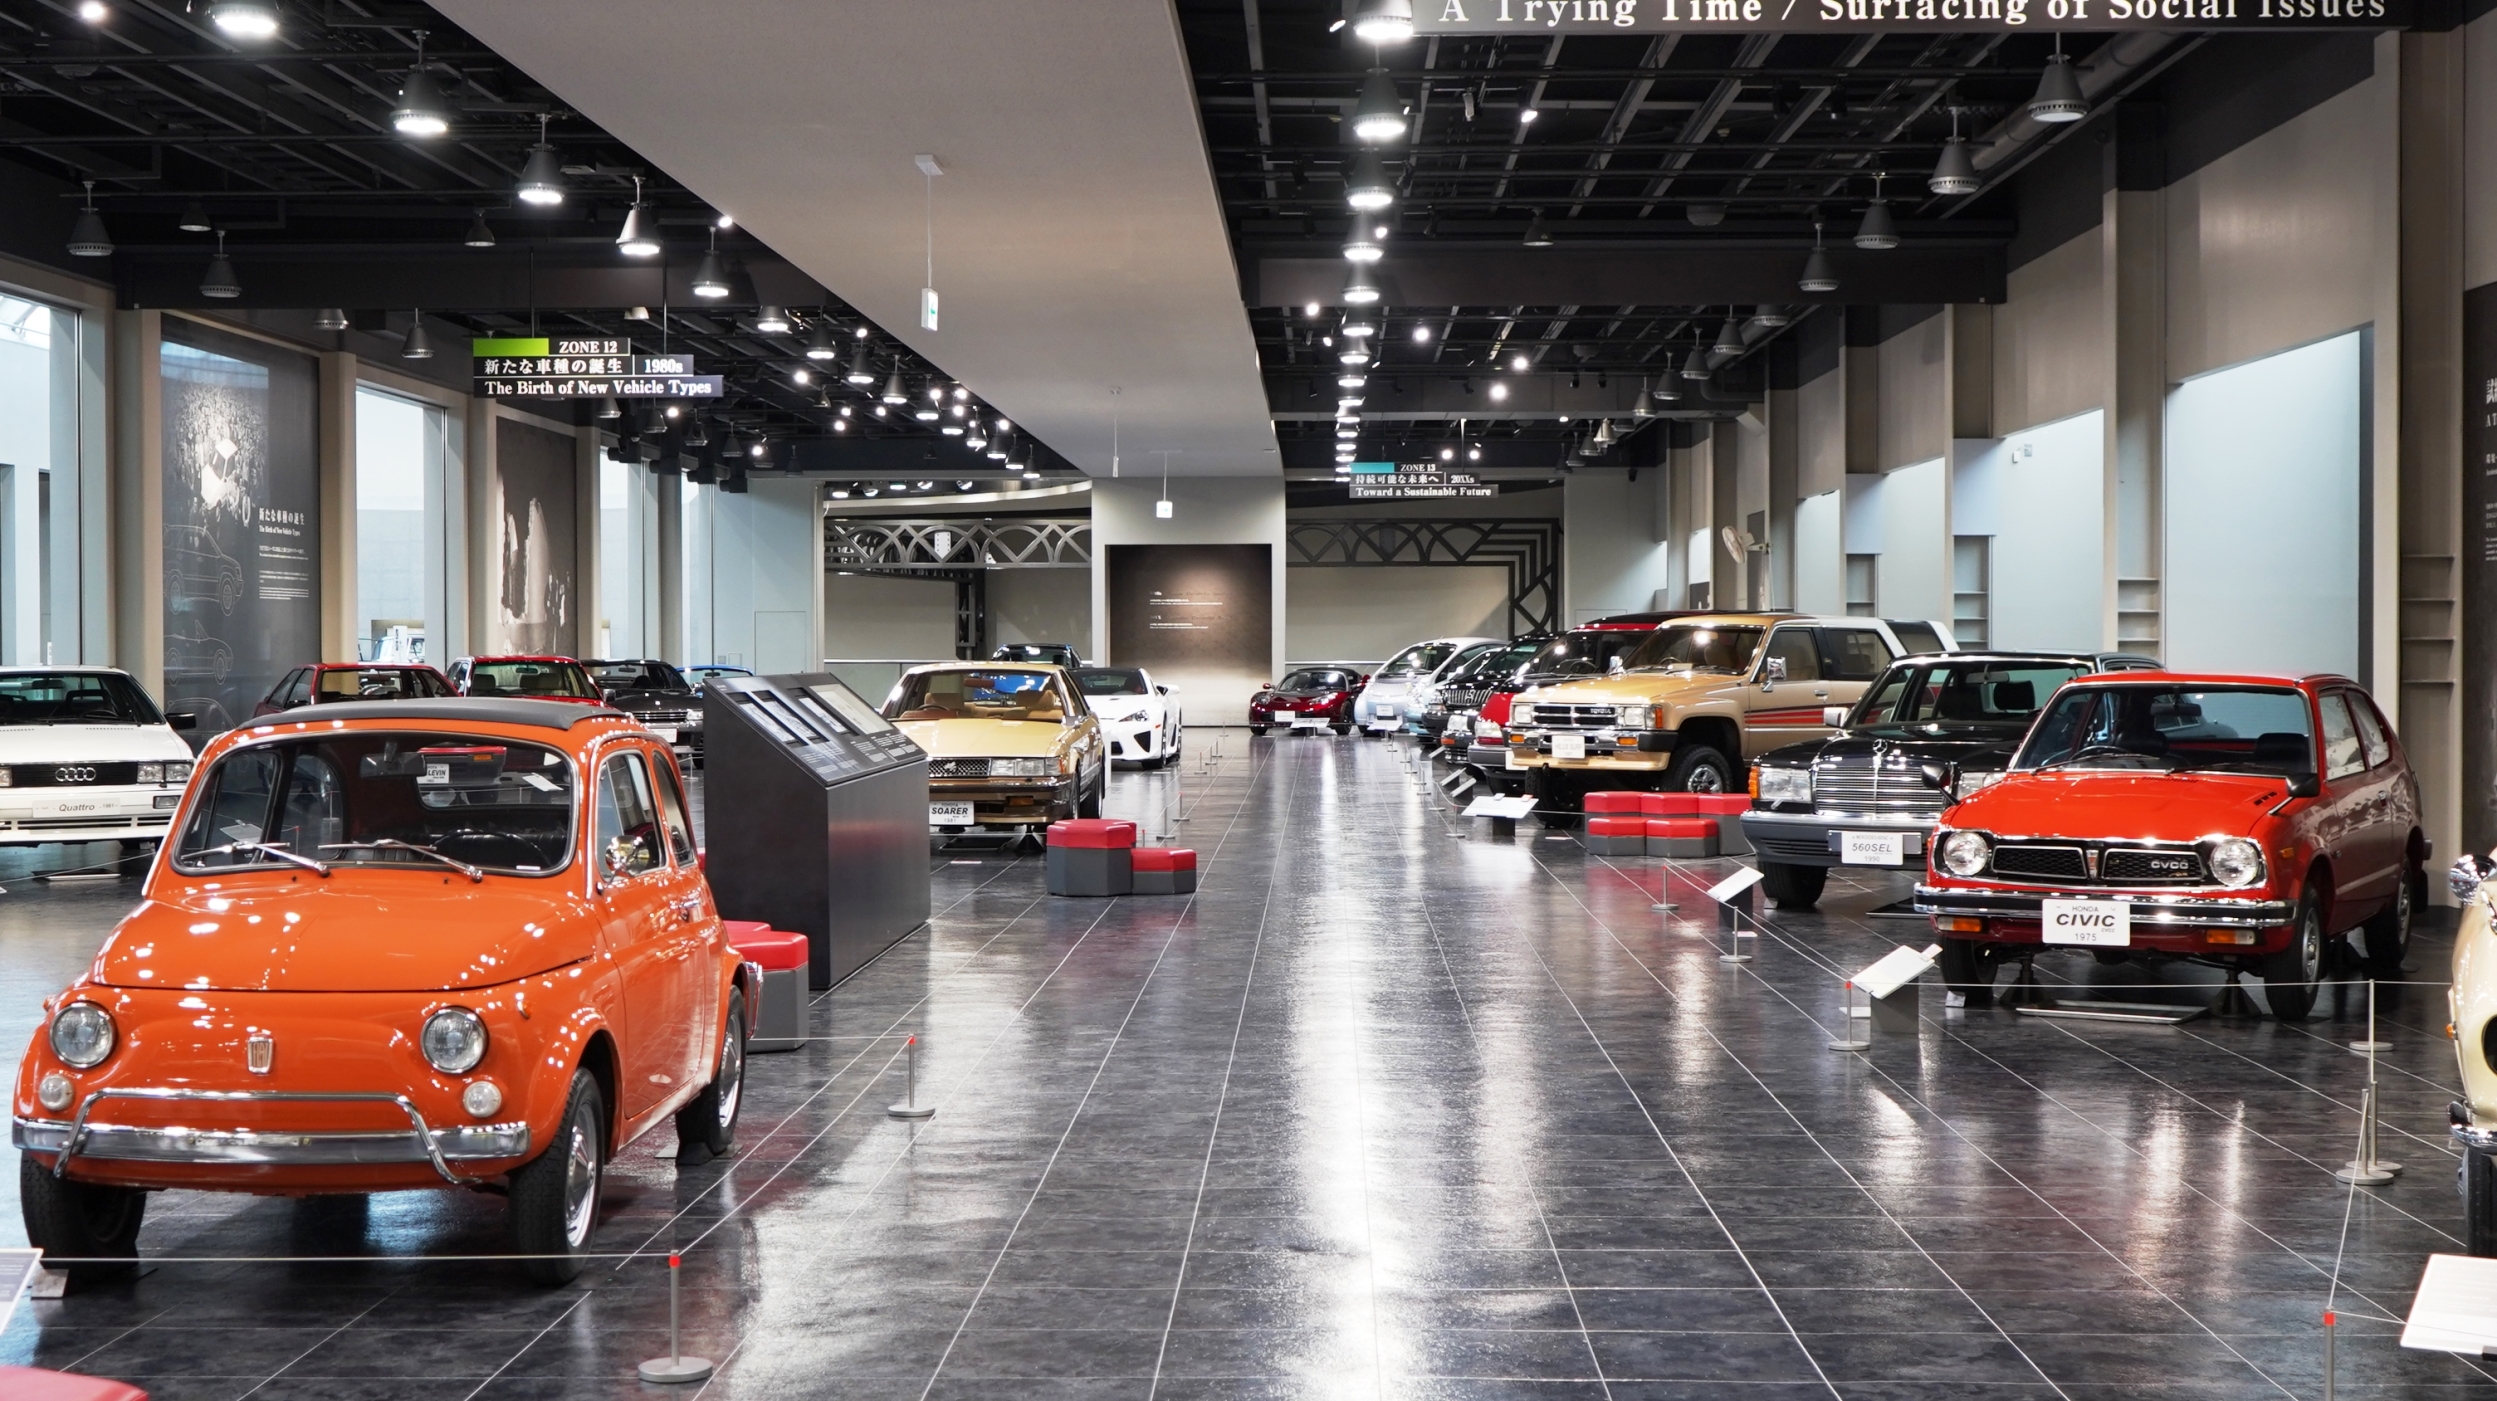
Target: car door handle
x: 689, y: 909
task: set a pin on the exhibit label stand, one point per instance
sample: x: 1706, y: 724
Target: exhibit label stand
x: 1737, y: 902
x: 1890, y: 985
x: 1851, y: 1038
x: 1502, y: 812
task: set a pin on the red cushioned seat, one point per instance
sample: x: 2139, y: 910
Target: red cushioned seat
x: 36, y: 1384
x: 1616, y: 826
x: 1668, y: 804
x: 1092, y: 834
x: 737, y: 929
x: 1682, y: 836
x: 1681, y: 826
x: 1720, y: 804
x: 1612, y: 801
x: 1164, y: 870
x: 772, y: 950
x: 1163, y: 858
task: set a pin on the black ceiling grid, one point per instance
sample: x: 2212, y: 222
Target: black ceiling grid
x: 286, y: 146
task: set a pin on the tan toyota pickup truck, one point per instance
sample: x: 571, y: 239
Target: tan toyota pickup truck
x: 1688, y: 709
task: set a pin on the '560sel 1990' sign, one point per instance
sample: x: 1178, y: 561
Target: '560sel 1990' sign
x: 1929, y: 16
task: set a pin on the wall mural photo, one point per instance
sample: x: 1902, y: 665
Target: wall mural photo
x: 240, y: 540
x: 534, y: 611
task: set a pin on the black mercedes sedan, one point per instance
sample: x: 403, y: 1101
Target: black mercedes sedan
x: 1861, y: 797
x: 659, y: 696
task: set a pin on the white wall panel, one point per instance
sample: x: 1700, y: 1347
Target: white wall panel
x: 1916, y: 542
x: 889, y: 617
x: 2050, y: 337
x: 1040, y: 605
x: 1820, y: 554
x: 2049, y: 556
x: 1611, y: 558
x: 1367, y: 614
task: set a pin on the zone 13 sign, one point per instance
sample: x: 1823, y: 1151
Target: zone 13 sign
x: 1851, y: 16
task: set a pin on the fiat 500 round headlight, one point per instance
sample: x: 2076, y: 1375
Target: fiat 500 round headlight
x: 2236, y: 862
x: 1785, y: 785
x: 1962, y: 853
x: 454, y: 1040
x: 82, y: 1034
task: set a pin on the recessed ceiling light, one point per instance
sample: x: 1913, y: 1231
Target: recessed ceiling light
x: 1526, y: 115
x: 1519, y: 362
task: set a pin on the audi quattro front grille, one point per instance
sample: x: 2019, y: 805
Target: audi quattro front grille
x: 70, y: 775
x: 1858, y: 783
x: 958, y: 768
x: 1552, y: 716
x: 2067, y: 864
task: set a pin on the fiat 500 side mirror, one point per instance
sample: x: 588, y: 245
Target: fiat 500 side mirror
x: 2467, y: 875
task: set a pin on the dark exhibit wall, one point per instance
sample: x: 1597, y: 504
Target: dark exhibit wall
x: 241, y: 520
x: 2479, y: 566
x: 535, y: 597
x: 1198, y: 616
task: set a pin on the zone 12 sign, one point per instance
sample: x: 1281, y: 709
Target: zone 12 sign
x: 1912, y: 16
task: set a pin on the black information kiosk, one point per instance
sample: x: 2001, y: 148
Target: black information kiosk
x: 815, y: 815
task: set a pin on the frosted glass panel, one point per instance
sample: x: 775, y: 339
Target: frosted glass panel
x: 2049, y: 558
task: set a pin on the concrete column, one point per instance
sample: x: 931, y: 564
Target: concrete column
x: 2133, y: 292
x: 484, y: 493
x: 138, y: 497
x: 2426, y: 705
x: 671, y: 569
x: 588, y: 603
x: 334, y: 478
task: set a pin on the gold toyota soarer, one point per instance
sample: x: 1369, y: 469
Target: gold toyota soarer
x: 1010, y: 746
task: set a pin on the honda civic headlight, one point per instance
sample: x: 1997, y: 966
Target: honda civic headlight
x: 82, y: 1034
x: 1962, y: 853
x: 2236, y: 862
x: 1785, y: 785
x: 454, y: 1040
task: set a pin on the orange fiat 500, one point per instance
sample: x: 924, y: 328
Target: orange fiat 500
x: 400, y: 944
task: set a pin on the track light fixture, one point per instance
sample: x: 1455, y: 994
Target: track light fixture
x: 1379, y: 116
x: 480, y: 234
x: 1368, y: 189
x: 639, y: 238
x: 1877, y: 232
x: 244, y: 19
x: 710, y: 277
x: 1537, y: 236
x: 418, y: 345
x: 542, y: 174
x: 220, y: 282
x: 1383, y: 21
x: 2059, y: 96
x: 87, y: 238
x: 421, y: 112
x: 1818, y: 274
x: 1954, y: 173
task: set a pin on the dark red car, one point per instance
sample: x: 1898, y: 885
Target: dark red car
x: 349, y: 681
x: 531, y: 678
x: 2246, y: 822
x: 1308, y: 695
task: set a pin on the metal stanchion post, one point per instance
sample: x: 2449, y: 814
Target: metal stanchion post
x: 2365, y: 1169
x: 1851, y: 1039
x: 2371, y: 1045
x: 910, y: 1107
x: 2329, y: 1321
x: 676, y: 1366
x: 1730, y: 916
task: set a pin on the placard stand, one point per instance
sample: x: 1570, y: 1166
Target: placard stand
x: 1890, y: 983
x: 1737, y: 900
x: 1852, y: 1039
x: 2455, y: 1309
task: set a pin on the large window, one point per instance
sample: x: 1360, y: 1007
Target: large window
x: 402, y: 453
x: 628, y: 559
x: 39, y: 483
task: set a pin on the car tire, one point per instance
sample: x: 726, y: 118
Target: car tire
x: 1969, y: 968
x: 2293, y: 976
x: 1257, y: 730
x: 1696, y: 768
x: 2478, y: 1175
x: 554, y: 1196
x: 79, y: 1220
x: 2386, y: 937
x: 707, y: 1126
x: 1560, y: 802
x: 1089, y: 804
x: 1793, y: 887
x: 1342, y: 730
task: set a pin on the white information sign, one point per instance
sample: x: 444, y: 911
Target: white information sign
x: 1569, y: 746
x: 1734, y: 885
x: 1872, y: 848
x: 2098, y: 924
x: 1896, y: 969
x: 2455, y: 1309
x: 1523, y: 805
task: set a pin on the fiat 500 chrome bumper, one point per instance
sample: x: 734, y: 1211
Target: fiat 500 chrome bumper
x: 2147, y: 908
x: 80, y: 1137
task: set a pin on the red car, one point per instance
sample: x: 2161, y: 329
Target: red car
x: 1309, y: 695
x: 531, y: 678
x: 347, y: 681
x: 2246, y: 822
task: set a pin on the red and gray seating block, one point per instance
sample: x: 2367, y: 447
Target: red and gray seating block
x: 1164, y: 870
x: 1615, y: 835
x: 1680, y: 836
x: 780, y: 1023
x: 1091, y: 856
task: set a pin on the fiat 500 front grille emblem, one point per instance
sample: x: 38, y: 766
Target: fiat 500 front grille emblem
x: 259, y: 1052
x: 74, y: 773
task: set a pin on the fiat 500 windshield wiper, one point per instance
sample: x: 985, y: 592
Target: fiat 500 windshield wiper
x: 476, y: 875
x: 2110, y: 751
x: 276, y: 849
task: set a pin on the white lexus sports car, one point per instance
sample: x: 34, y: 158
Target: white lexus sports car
x: 1139, y: 718
x: 86, y: 756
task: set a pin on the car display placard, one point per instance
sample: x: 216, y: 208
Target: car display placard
x: 949, y: 814
x: 1872, y: 848
x: 2097, y: 924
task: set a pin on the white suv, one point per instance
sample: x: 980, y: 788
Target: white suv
x: 86, y: 756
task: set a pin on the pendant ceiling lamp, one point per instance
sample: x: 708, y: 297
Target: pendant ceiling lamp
x: 1729, y: 337
x: 1360, y: 321
x: 220, y: 282
x: 480, y: 234
x: 1666, y: 391
x: 639, y: 238
x: 1954, y: 173
x: 1359, y: 288
x: 819, y: 344
x: 710, y: 277
x: 1695, y: 365
x: 1367, y: 188
x: 1818, y: 274
x: 1383, y: 21
x: 542, y: 174
x: 859, y: 374
x: 894, y: 393
x: 418, y: 345
x: 1380, y: 114
x: 421, y: 111
x: 244, y: 19
x: 87, y: 237
x: 1877, y: 232
x: 1771, y: 317
x: 1362, y: 245
x: 331, y: 318
x: 772, y: 321
x: 195, y: 218
x: 2059, y: 96
x: 1353, y: 352
x: 1537, y: 236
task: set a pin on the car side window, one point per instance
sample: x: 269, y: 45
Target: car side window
x: 1795, y: 647
x: 627, y: 830
x: 672, y: 815
x: 2370, y: 731
x: 1852, y: 654
x: 2343, y: 754
x: 1915, y: 636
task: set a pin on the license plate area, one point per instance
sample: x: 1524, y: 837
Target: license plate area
x: 949, y: 814
x: 1872, y: 848
x: 1569, y: 746
x: 2095, y: 924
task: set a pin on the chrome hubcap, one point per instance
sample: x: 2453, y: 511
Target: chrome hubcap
x: 2311, y: 947
x: 580, y: 1186
x: 1707, y: 781
x: 732, y: 1071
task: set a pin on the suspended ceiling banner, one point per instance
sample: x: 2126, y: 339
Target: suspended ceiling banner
x: 1896, y: 16
x: 1078, y: 241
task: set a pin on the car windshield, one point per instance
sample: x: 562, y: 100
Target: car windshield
x: 1926, y: 700
x: 1054, y: 653
x: 556, y: 678
x: 2245, y: 728
x: 1313, y: 678
x: 1112, y: 681
x: 379, y: 683
x: 975, y: 695
x: 1697, y: 649
x: 1420, y: 659
x: 637, y: 676
x: 1588, y: 653
x: 1495, y: 665
x: 74, y: 698
x: 362, y: 797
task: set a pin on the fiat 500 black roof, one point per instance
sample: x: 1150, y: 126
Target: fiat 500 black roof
x: 490, y: 710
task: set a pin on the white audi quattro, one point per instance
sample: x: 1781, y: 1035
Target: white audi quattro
x: 86, y: 756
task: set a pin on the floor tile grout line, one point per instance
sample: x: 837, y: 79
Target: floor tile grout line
x: 1543, y: 1220
x: 1814, y: 1139
x: 1108, y: 1052
x: 1213, y: 1133
x: 325, y: 1341
x: 2319, y: 1091
x: 534, y: 1340
x: 75, y: 1362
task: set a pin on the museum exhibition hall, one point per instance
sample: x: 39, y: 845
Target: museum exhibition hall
x: 1421, y: 700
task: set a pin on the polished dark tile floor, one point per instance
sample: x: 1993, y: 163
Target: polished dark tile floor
x: 1390, y: 1109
